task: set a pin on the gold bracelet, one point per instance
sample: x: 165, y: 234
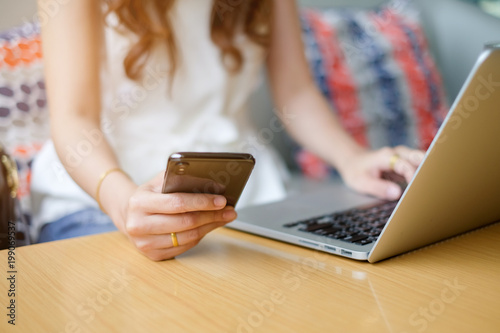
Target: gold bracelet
x: 101, y: 179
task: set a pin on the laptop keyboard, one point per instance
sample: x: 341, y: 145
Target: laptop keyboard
x: 358, y: 225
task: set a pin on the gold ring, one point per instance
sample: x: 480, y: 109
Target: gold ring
x: 392, y: 162
x: 174, y: 239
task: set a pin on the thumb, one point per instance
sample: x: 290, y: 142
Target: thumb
x: 156, y: 183
x: 380, y: 188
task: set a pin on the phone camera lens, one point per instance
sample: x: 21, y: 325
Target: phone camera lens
x: 181, y: 168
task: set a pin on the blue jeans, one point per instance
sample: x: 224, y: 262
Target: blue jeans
x: 84, y: 222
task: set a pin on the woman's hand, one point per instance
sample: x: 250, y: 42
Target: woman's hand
x: 151, y: 217
x: 364, y: 170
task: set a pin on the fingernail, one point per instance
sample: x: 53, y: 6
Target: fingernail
x: 219, y: 201
x: 393, y: 192
x: 229, y: 215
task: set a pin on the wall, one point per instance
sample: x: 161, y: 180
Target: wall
x: 15, y: 12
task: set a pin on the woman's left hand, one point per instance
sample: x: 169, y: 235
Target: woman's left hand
x: 363, y: 172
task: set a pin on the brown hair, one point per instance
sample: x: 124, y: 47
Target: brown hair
x: 149, y: 20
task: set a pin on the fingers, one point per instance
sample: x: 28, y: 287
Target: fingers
x: 151, y: 233
x: 413, y: 156
x: 404, y: 168
x: 158, y: 224
x: 367, y: 170
x: 151, y: 217
x: 160, y: 247
x: 175, y: 203
x: 406, y: 162
x: 165, y: 254
x: 164, y: 241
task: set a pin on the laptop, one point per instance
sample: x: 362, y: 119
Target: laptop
x: 455, y: 189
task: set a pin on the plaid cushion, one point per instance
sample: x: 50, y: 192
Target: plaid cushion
x: 24, y: 123
x: 375, y: 68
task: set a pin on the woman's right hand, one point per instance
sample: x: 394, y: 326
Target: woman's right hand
x: 151, y: 216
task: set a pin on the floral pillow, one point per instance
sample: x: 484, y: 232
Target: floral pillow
x: 24, y: 123
x: 375, y: 68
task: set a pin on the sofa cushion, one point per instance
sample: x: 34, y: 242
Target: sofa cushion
x: 375, y: 68
x: 24, y: 123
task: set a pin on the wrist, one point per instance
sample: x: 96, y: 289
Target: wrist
x: 115, y: 191
x: 345, y: 159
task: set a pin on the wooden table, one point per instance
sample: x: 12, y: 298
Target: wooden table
x: 235, y: 282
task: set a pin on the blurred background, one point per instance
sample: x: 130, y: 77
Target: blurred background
x: 14, y: 12
x: 456, y: 31
x: 490, y: 6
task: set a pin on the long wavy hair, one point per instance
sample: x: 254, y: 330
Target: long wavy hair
x: 149, y: 20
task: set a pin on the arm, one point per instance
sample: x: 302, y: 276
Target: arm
x: 308, y: 118
x: 72, y: 41
x: 73, y: 54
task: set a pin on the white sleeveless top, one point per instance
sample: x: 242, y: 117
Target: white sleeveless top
x: 203, y: 110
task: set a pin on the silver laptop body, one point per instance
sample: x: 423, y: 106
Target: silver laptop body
x: 455, y: 189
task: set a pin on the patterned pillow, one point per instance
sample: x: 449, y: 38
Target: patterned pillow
x: 377, y: 72
x: 24, y: 123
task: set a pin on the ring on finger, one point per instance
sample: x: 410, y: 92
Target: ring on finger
x: 173, y: 235
x: 393, y: 160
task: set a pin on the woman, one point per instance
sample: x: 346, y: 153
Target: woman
x: 130, y: 82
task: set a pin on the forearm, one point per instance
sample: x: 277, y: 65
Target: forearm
x: 302, y: 108
x: 310, y: 121
x: 72, y: 41
x: 86, y: 155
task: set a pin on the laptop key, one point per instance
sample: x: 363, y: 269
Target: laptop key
x: 364, y: 241
x: 338, y: 235
x: 357, y: 238
x: 316, y: 226
x: 325, y: 219
x: 329, y: 230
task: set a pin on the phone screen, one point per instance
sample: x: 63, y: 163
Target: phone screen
x: 215, y: 173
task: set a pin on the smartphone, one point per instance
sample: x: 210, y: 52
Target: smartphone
x: 215, y: 173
